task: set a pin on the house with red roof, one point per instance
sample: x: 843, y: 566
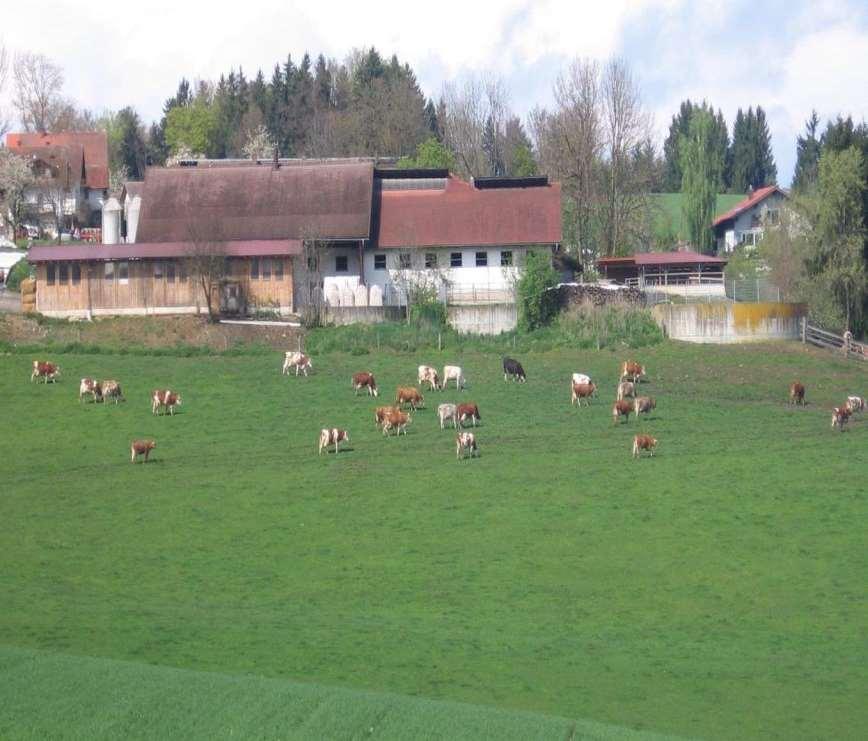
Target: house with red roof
x: 745, y: 223
x: 72, y: 173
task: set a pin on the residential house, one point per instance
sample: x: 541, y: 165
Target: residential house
x: 745, y: 223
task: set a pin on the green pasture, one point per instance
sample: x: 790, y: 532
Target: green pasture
x: 714, y: 591
x: 668, y: 219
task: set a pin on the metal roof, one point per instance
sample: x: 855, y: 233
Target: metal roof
x: 159, y: 250
x: 681, y: 257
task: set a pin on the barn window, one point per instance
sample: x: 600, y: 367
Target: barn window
x: 455, y: 260
x: 170, y: 271
x: 341, y: 264
x: 123, y: 271
x: 109, y: 271
x: 182, y: 272
x: 265, y: 268
x: 76, y: 273
x: 431, y: 260
x: 158, y: 270
x: 506, y: 259
x: 481, y: 259
x: 404, y: 261
x: 49, y: 273
x: 278, y: 268
x: 254, y: 269
x: 379, y: 262
x: 63, y: 273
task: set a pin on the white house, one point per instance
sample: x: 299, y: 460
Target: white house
x: 745, y: 223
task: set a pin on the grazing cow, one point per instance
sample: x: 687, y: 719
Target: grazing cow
x: 396, y: 420
x: 855, y: 404
x: 91, y: 387
x: 453, y: 373
x: 797, y: 393
x: 626, y: 389
x: 643, y: 405
x: 112, y: 390
x: 46, y: 371
x: 466, y: 442
x: 468, y: 411
x: 297, y: 360
x: 512, y: 369
x: 380, y: 414
x: 840, y: 416
x: 632, y: 371
x: 334, y: 436
x: 141, y: 447
x: 643, y: 442
x: 428, y: 375
x: 446, y: 412
x: 365, y: 380
x: 583, y: 392
x: 620, y: 409
x: 166, y: 400
x: 581, y: 378
x: 409, y: 395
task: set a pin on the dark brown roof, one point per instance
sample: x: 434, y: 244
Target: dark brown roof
x: 463, y: 216
x: 681, y: 257
x: 158, y: 250
x: 758, y: 196
x: 93, y: 143
x: 326, y: 201
x: 64, y: 165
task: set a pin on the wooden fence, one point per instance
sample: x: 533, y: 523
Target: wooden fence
x: 831, y: 341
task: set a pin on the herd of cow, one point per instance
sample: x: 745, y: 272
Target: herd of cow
x: 396, y: 418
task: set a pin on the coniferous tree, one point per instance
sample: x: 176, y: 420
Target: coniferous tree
x: 431, y: 122
x: 807, y: 155
x: 753, y: 164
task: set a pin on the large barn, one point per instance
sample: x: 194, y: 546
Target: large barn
x: 353, y: 231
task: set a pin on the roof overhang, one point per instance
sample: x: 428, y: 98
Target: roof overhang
x: 160, y: 250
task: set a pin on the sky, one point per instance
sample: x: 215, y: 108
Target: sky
x: 789, y: 57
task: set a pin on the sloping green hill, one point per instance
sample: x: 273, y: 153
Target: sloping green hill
x: 668, y: 224
x: 48, y: 695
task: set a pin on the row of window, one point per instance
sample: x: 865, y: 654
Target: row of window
x: 456, y: 260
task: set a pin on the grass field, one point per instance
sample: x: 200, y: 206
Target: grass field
x: 668, y: 217
x: 715, y: 591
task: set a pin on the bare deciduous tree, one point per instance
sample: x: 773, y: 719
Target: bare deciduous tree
x: 38, y: 84
x: 206, y: 261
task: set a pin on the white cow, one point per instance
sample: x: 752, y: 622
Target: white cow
x: 297, y: 360
x: 453, y: 373
x: 625, y: 389
x: 445, y: 412
x: 466, y: 442
x: 428, y: 375
x: 855, y: 403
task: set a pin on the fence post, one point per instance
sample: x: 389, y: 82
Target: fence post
x: 439, y: 341
x: 804, y: 329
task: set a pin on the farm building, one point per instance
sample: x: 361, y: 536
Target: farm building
x: 72, y: 176
x: 745, y: 223
x: 345, y: 231
x: 681, y: 271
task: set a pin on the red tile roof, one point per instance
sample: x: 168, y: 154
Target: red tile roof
x: 682, y: 257
x: 759, y: 195
x: 157, y: 250
x: 463, y: 216
x: 94, y: 144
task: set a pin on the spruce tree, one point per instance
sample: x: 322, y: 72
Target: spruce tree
x: 807, y: 156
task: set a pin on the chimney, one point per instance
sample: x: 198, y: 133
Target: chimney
x: 276, y: 162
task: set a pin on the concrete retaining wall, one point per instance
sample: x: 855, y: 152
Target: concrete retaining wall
x: 483, y: 318
x: 364, y: 314
x: 730, y: 322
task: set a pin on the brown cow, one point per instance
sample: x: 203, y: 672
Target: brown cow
x: 632, y: 371
x: 332, y: 436
x: 409, y: 395
x: 380, y: 414
x: 468, y: 411
x: 583, y: 392
x: 643, y: 405
x: 112, y: 390
x: 643, y: 442
x: 166, y: 400
x: 797, y: 393
x: 840, y: 416
x: 397, y: 421
x: 428, y: 375
x: 466, y: 441
x: 620, y: 409
x: 365, y: 380
x: 855, y: 403
x: 141, y: 447
x: 90, y: 387
x: 46, y: 371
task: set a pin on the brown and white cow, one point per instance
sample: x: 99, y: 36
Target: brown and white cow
x: 468, y: 411
x: 840, y: 416
x: 396, y: 420
x: 46, y: 371
x: 632, y: 371
x: 797, y: 393
x: 855, y: 403
x: 332, y: 436
x: 297, y: 360
x: 380, y: 414
x: 643, y: 405
x: 165, y: 400
x: 643, y: 442
x: 625, y: 389
x: 582, y: 392
x: 620, y: 409
x: 409, y: 395
x: 428, y: 375
x: 365, y: 380
x: 581, y: 378
x: 465, y: 442
x: 447, y: 412
x: 453, y: 373
x: 111, y: 389
x: 90, y: 387
x: 141, y: 447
